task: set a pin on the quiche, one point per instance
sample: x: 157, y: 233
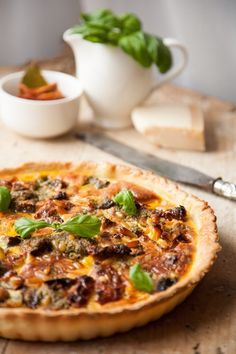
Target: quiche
x: 94, y: 249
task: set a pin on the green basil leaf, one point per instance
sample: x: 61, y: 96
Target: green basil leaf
x: 130, y: 23
x: 141, y: 280
x: 105, y: 15
x: 164, y: 59
x: 82, y: 225
x: 90, y: 30
x: 134, y: 44
x: 25, y: 226
x: 5, y: 199
x: 152, y: 45
x: 126, y: 200
x: 96, y: 37
x: 113, y: 37
x: 100, y: 25
x: 92, y: 33
x: 81, y: 29
x: 91, y: 26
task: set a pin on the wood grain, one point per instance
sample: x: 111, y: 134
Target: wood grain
x: 206, y: 322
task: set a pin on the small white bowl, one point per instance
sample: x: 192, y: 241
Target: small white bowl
x: 40, y: 119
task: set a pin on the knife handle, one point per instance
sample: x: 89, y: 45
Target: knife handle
x: 225, y: 189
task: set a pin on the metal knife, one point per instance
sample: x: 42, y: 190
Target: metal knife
x: 172, y: 170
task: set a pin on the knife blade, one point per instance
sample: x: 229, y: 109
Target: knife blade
x: 165, y: 168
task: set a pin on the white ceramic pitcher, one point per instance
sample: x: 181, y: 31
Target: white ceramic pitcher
x: 114, y: 83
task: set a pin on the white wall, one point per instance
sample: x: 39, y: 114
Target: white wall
x: 31, y: 29
x: 206, y: 27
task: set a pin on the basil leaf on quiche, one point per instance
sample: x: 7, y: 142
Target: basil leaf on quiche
x: 25, y: 226
x: 125, y: 199
x: 82, y: 225
x: 140, y: 279
x: 5, y: 198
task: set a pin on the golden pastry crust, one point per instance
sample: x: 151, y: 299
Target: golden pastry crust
x: 82, y: 323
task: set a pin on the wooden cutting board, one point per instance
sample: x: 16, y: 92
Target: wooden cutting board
x: 206, y: 322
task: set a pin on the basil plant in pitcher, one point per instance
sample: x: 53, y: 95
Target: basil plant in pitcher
x: 118, y: 62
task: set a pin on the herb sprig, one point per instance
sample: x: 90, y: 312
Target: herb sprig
x: 81, y: 225
x: 141, y: 280
x: 125, y: 199
x: 125, y: 31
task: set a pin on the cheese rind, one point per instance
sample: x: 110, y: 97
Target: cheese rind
x: 175, y: 126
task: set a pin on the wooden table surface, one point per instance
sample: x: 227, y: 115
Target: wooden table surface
x: 206, y: 322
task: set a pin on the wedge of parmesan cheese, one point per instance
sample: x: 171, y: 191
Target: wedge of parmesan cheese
x: 171, y: 126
